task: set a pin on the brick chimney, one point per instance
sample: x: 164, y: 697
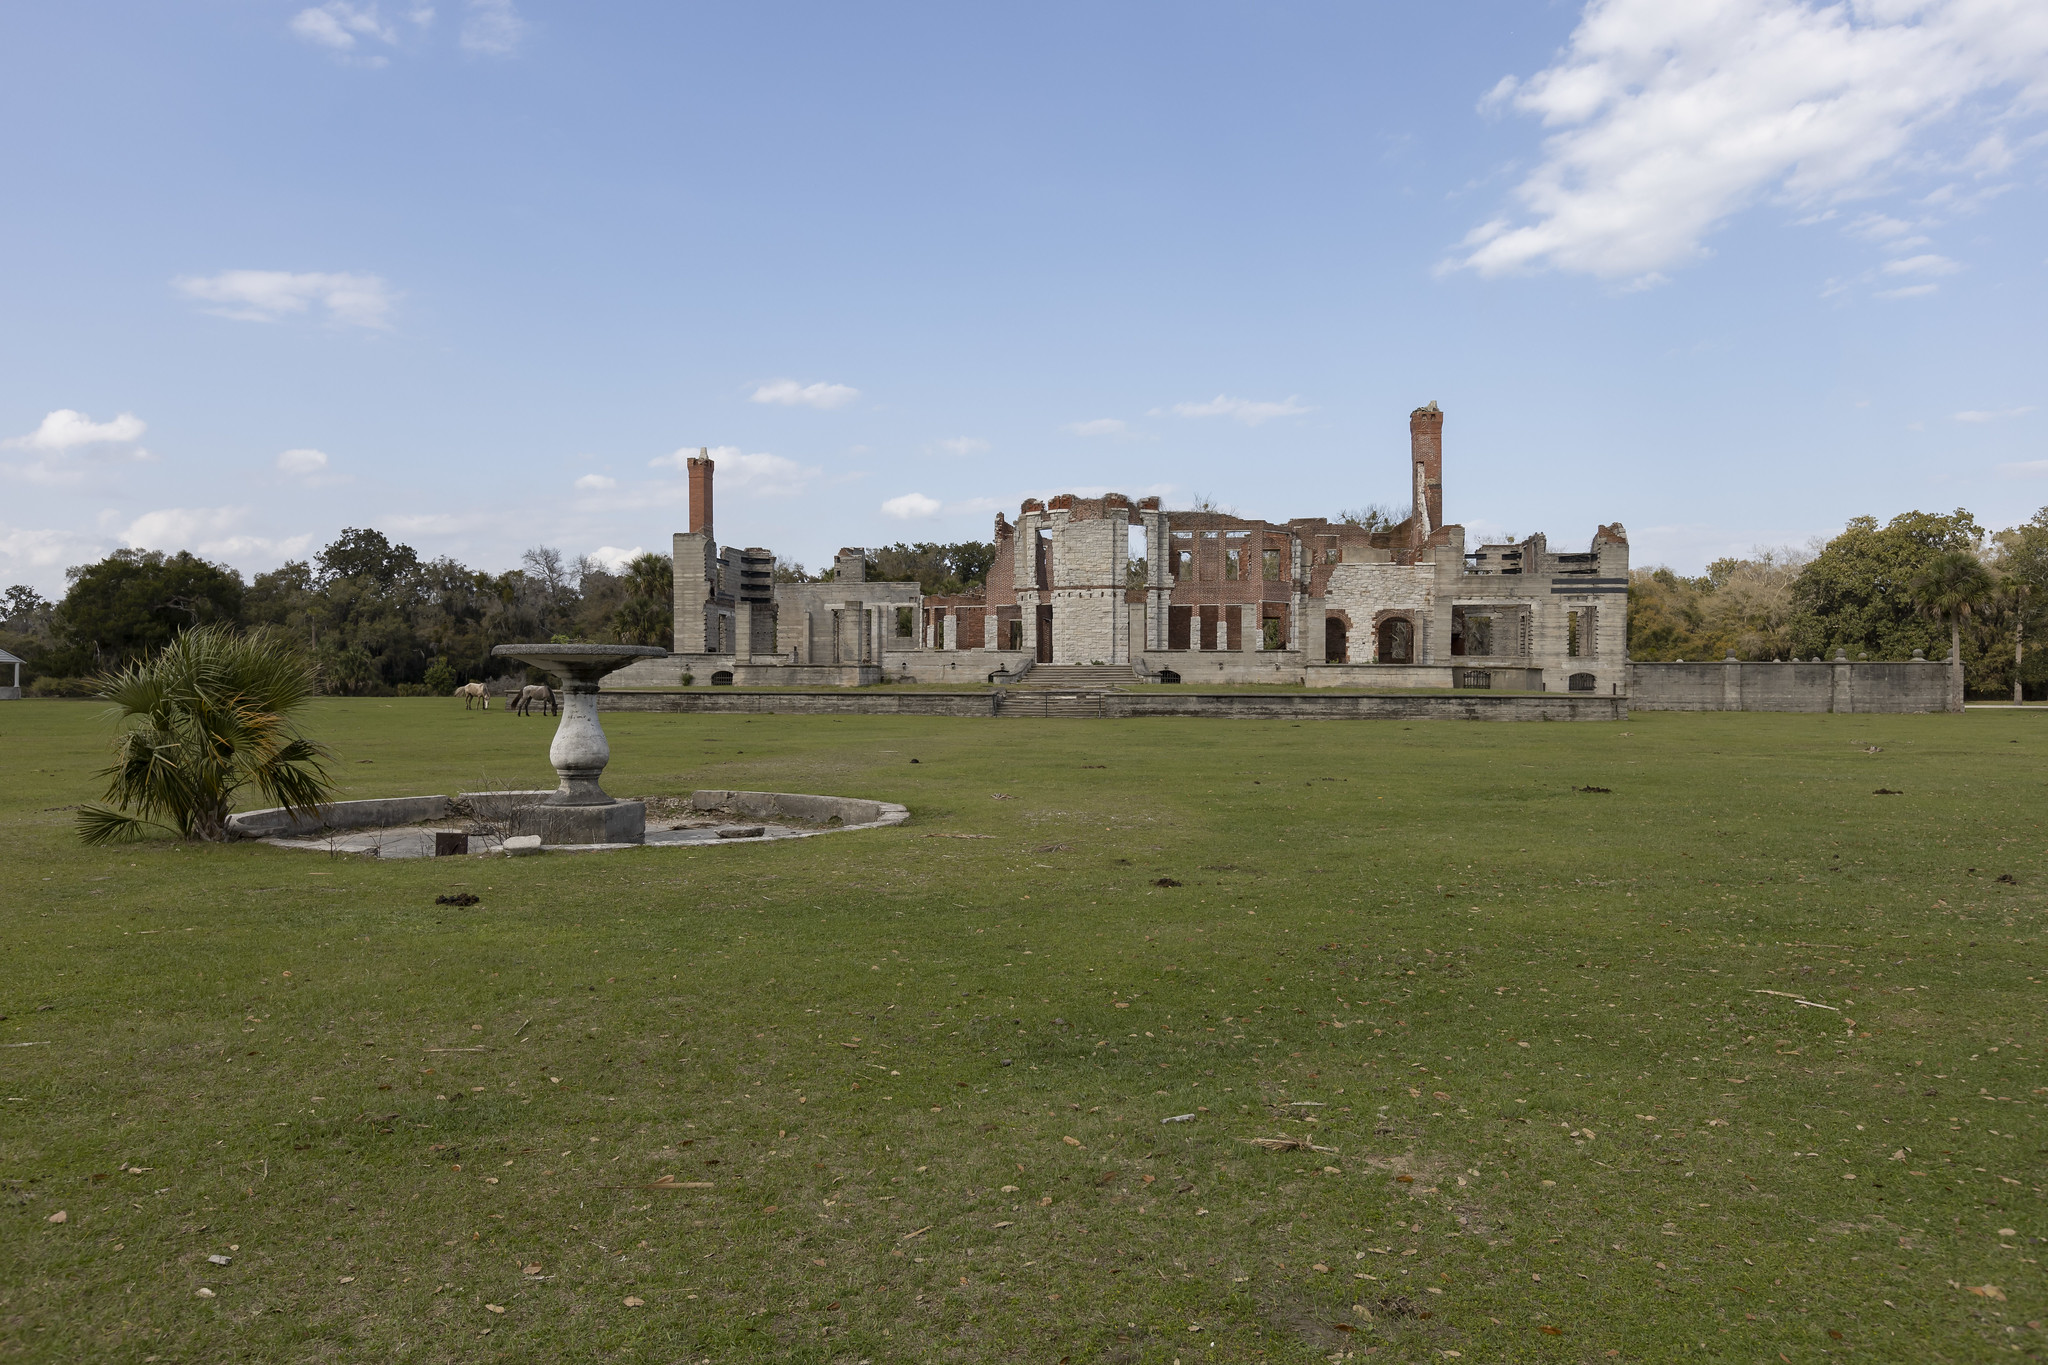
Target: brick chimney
x: 700, y: 492
x: 1426, y: 459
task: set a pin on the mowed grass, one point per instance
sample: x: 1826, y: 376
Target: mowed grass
x: 910, y: 1083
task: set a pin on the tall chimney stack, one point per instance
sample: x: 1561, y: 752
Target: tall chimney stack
x: 1426, y: 461
x: 700, y: 492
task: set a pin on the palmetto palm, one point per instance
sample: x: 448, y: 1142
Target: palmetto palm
x: 200, y: 720
x: 1946, y: 590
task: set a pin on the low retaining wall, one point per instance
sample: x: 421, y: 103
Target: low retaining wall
x: 838, y: 702
x: 1353, y: 706
x: 1130, y: 705
x: 1893, y: 688
x: 277, y: 822
x: 497, y: 807
x: 849, y: 811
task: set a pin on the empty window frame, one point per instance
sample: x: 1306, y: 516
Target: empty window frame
x: 1269, y: 565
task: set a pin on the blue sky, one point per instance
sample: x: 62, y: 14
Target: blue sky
x: 475, y: 272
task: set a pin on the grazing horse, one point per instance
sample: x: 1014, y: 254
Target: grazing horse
x: 531, y: 695
x: 471, y: 693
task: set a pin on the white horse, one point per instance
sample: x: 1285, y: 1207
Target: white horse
x: 471, y: 693
x: 532, y: 695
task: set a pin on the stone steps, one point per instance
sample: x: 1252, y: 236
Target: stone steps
x: 1077, y: 677
x: 1049, y: 703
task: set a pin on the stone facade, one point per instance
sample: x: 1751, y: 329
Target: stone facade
x: 1221, y: 599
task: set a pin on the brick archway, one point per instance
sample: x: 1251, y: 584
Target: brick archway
x: 1337, y: 637
x: 1394, y: 638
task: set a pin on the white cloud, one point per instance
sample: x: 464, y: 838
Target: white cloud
x: 615, y: 559
x: 179, y: 528
x: 790, y: 394
x: 211, y: 532
x: 596, y: 483
x: 1979, y: 416
x: 269, y: 295
x: 1246, y: 410
x: 428, y: 523
x: 44, y: 548
x: 963, y: 445
x: 339, y: 25
x: 760, y: 475
x: 302, y: 461
x: 492, y: 28
x: 1928, y: 264
x: 2028, y: 469
x: 1673, y: 117
x: 1100, y: 426
x: 66, y: 429
x: 1911, y: 291
x: 911, y: 507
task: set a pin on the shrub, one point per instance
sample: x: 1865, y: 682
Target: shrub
x: 61, y: 687
x: 202, y: 718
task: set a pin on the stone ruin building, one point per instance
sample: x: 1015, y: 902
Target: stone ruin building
x: 1219, y: 599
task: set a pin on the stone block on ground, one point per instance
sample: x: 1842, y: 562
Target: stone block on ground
x: 620, y: 822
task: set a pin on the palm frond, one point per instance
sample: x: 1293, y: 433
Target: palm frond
x: 103, y: 825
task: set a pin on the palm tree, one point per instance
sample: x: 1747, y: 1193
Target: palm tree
x: 1945, y: 590
x: 204, y: 717
x: 2008, y: 605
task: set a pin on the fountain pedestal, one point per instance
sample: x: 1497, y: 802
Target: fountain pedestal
x: 580, y: 811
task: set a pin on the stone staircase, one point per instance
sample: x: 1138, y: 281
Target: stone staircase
x: 1077, y: 677
x: 1048, y: 702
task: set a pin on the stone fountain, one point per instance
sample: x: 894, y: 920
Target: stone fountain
x: 579, y: 811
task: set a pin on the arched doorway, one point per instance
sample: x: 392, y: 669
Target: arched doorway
x: 1336, y: 641
x: 1397, y: 640
x: 1579, y: 682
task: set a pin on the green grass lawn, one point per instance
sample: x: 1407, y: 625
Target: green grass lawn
x: 909, y: 1083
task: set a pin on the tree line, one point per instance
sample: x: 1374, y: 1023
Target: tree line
x: 373, y: 618
x: 1923, y: 580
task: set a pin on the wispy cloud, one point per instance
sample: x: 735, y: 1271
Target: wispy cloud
x: 431, y: 523
x: 1674, y: 117
x: 1927, y: 264
x: 209, y: 531
x: 304, y: 461
x: 911, y: 507
x: 1249, y: 411
x: 1099, y: 426
x: 492, y: 28
x: 596, y: 483
x: 1977, y: 415
x: 789, y: 393
x: 963, y: 445
x: 757, y: 475
x: 273, y: 295
x: 2025, y: 469
x: 46, y: 547
x: 342, y: 26
x: 1911, y: 291
x: 356, y: 35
